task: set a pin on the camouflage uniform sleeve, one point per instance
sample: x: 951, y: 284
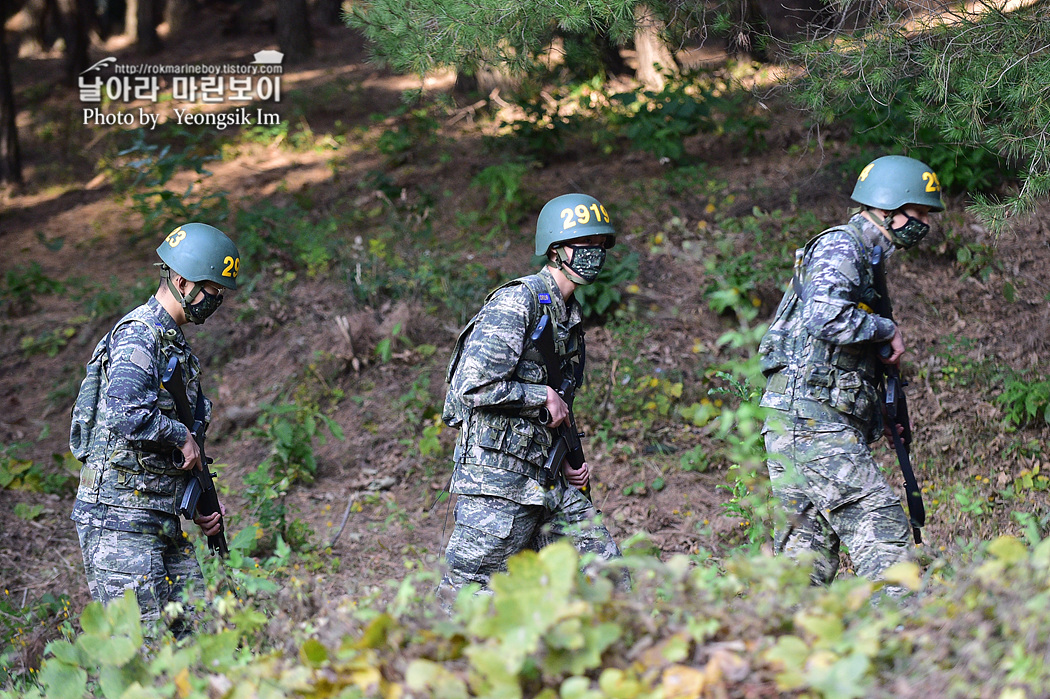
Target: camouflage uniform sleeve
x: 833, y: 286
x: 485, y: 377
x: 134, y: 382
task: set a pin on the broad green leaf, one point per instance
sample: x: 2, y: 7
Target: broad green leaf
x: 244, y: 539
x: 65, y: 652
x: 826, y: 628
x: 114, y: 681
x: 846, y: 678
x: 434, y: 680
x: 790, y: 654
x: 217, y: 650
x: 62, y: 681
x: 313, y: 653
x: 93, y: 619
x: 1008, y: 549
x: 578, y: 688
x: 905, y: 573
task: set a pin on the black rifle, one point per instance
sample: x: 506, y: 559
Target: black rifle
x: 200, y: 496
x: 567, y: 443
x: 895, y: 404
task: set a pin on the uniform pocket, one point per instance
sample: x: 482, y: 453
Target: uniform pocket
x: 852, y: 396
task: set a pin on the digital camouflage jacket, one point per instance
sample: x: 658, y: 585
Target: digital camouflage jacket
x: 498, y: 385
x: 820, y: 349
x: 126, y: 439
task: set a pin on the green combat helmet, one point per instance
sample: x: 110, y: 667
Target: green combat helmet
x: 198, y: 253
x: 894, y: 181
x: 572, y: 216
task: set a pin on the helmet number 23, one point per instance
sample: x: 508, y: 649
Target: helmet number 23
x: 233, y: 266
x: 176, y: 237
x: 583, y: 215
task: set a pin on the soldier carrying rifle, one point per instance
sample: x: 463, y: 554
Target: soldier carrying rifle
x: 501, y: 398
x: 140, y: 459
x: 825, y: 354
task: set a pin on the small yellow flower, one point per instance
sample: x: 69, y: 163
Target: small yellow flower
x: 710, y: 208
x: 702, y: 225
x: 697, y: 347
x: 658, y: 239
x: 633, y: 288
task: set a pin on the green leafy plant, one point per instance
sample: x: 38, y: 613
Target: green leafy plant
x: 143, y: 170
x: 508, y: 202
x: 24, y: 474
x: 1025, y: 399
x: 24, y: 624
x: 22, y: 285
x: 290, y: 430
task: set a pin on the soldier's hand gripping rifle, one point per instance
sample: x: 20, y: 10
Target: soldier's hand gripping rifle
x: 895, y: 404
x: 200, y: 496
x: 567, y: 445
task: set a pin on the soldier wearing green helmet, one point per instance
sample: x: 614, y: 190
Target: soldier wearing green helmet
x: 821, y: 359
x: 136, y: 454
x: 499, y: 399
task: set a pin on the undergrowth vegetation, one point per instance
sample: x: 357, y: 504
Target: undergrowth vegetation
x: 752, y: 625
x: 724, y: 619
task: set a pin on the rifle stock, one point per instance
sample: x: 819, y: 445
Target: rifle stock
x: 200, y: 496
x: 567, y: 445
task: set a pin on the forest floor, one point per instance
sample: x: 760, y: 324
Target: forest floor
x: 408, y: 234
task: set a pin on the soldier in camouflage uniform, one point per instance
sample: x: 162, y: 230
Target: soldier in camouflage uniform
x: 500, y: 401
x: 136, y: 454
x: 820, y: 358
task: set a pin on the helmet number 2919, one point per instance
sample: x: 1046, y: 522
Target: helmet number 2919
x: 583, y: 215
x: 233, y: 266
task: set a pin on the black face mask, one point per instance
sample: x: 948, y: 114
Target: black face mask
x: 909, y: 234
x: 200, y: 311
x: 587, y: 262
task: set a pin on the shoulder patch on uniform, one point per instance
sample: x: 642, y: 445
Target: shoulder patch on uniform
x: 544, y: 297
x: 141, y: 359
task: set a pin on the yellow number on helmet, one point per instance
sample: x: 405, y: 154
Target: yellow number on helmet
x: 232, y: 267
x: 569, y: 220
x: 865, y: 171
x: 932, y: 183
x: 583, y: 213
x: 176, y: 236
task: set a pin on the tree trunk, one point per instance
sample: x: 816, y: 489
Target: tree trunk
x: 293, y: 30
x: 179, y: 14
x: 331, y: 12
x: 654, y: 57
x: 141, y: 22
x: 131, y: 17
x: 80, y: 15
x: 10, y: 156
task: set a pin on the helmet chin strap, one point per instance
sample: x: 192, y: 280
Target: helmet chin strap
x: 184, y: 301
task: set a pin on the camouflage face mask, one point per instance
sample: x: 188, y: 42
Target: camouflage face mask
x: 908, y: 235
x: 199, y: 312
x: 587, y: 262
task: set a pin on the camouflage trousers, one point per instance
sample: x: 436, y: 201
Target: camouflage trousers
x: 157, y: 568
x: 831, y: 489
x: 489, y: 530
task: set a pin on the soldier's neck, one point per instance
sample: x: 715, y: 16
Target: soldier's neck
x: 565, y: 285
x: 170, y: 304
